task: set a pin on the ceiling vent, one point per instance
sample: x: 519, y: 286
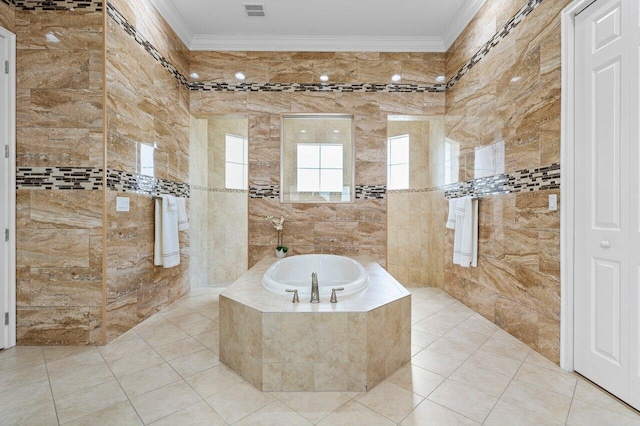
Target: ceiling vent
x: 254, y: 9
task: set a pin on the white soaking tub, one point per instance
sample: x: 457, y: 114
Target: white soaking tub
x: 333, y: 271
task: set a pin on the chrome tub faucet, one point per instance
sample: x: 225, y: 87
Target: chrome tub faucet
x: 315, y: 292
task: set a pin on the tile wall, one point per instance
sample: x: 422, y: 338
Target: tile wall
x: 504, y: 116
x: 148, y: 120
x: 358, y: 228
x: 59, y: 125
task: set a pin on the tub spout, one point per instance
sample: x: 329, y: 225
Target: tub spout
x: 315, y: 292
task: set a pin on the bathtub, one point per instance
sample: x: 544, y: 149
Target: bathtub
x: 333, y: 271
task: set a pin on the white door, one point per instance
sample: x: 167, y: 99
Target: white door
x: 606, y: 198
x: 7, y: 189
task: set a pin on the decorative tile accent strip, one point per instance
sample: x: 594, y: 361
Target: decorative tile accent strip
x: 416, y: 190
x: 83, y: 178
x: 133, y: 32
x: 264, y: 191
x: 543, y: 178
x: 368, y: 192
x: 85, y: 5
x: 315, y: 87
x: 140, y: 184
x: 221, y: 190
x: 493, y: 41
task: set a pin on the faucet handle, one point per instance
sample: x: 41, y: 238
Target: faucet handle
x: 334, y: 298
x: 296, y: 299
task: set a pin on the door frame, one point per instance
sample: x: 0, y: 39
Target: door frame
x: 567, y: 182
x: 10, y: 262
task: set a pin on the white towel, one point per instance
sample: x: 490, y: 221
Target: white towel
x: 183, y: 221
x: 166, y: 251
x: 451, y: 219
x: 465, y: 243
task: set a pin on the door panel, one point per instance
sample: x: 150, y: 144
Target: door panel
x: 602, y: 259
x: 4, y: 196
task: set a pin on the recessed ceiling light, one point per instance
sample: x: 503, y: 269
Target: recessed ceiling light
x: 194, y: 75
x: 336, y: 131
x: 240, y: 76
x: 324, y: 77
x: 396, y: 78
x: 440, y: 78
x: 303, y: 131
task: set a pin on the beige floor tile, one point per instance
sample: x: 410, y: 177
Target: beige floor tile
x: 54, y: 353
x: 415, y: 349
x: 15, y: 378
x: 422, y: 339
x: 436, y: 362
x: 390, y: 400
x: 179, y: 349
x: 213, y: 380
x: 464, y: 400
x: 135, y: 361
x: 554, y: 380
x: 470, y: 331
x: 314, y: 406
x: 163, y: 401
x: 185, y: 317
x: 146, y: 380
x: 526, y: 404
x: 453, y: 315
x: 61, y: 368
x: 120, y: 414
x: 582, y: 414
x: 479, y: 378
x: 429, y: 413
x: 127, y: 344
x: 433, y: 327
x: 239, y: 401
x: 493, y: 362
x: 20, y: 357
x: 211, y: 340
x: 274, y: 414
x: 162, y: 334
x: 196, y: 362
x: 501, y: 343
x: 81, y: 403
x: 204, y: 325
x: 416, y: 379
x: 31, y: 404
x: 354, y: 413
x: 592, y: 395
x: 537, y: 359
x: 81, y: 379
x: 458, y: 349
x: 197, y: 414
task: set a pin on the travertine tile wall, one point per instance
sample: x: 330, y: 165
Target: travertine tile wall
x: 358, y: 228
x: 7, y: 17
x: 59, y: 123
x: 146, y: 105
x: 505, y: 114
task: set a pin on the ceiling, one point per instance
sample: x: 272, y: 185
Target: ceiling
x: 321, y: 25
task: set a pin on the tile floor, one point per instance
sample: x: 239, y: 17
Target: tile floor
x: 166, y: 371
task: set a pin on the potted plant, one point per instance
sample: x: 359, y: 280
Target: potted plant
x: 281, y: 250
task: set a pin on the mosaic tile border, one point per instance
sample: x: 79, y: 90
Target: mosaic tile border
x: 363, y: 192
x: 529, y: 7
x: 64, y: 178
x: 527, y: 180
x: 218, y: 190
x: 315, y: 87
x: 120, y: 181
x: 121, y: 21
x: 84, y: 5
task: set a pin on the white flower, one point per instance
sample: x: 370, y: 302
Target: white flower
x: 277, y: 223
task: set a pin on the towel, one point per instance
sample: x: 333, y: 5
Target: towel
x: 166, y: 251
x: 183, y: 221
x: 465, y: 221
x: 451, y: 219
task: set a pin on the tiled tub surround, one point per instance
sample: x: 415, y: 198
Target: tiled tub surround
x: 351, y: 345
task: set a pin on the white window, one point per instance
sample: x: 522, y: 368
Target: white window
x: 236, y: 162
x: 319, y: 167
x: 146, y: 160
x: 398, y: 162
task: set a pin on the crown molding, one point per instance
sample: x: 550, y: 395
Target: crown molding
x: 170, y: 14
x: 466, y: 13
x: 317, y: 43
